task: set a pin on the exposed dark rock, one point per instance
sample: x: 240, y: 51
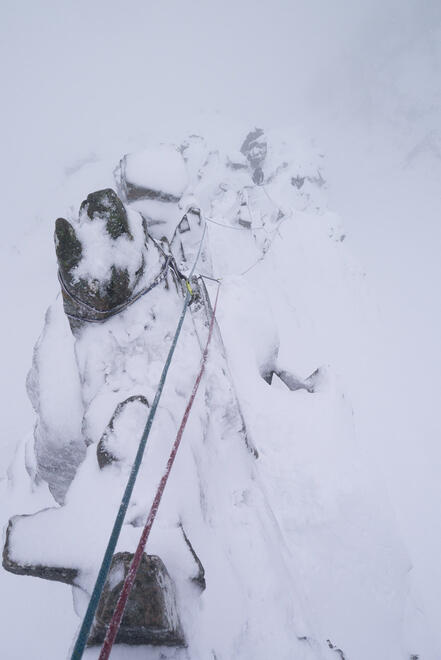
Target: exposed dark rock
x: 56, y: 573
x: 254, y: 148
x: 88, y: 298
x: 292, y: 382
x: 258, y: 176
x: 150, y: 616
x: 336, y: 650
x: 67, y: 247
x: 267, y: 375
x: 198, y: 579
x: 106, y: 204
x: 233, y: 165
x: 297, y: 181
x: 133, y: 192
x: 103, y: 453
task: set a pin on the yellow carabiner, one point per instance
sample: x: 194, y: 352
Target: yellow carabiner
x: 190, y: 290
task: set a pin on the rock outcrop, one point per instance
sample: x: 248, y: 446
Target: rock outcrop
x: 150, y: 616
x: 94, y: 283
x: 113, y: 443
x: 14, y: 565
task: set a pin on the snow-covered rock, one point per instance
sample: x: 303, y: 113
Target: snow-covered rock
x: 271, y: 500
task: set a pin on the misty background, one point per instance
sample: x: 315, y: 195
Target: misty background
x: 85, y: 80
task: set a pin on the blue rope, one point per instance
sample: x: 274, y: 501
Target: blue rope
x: 86, y: 626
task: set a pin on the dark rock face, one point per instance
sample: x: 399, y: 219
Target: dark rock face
x: 103, y: 452
x: 198, y: 579
x: 68, y: 247
x: 337, y: 650
x: 134, y: 192
x: 87, y: 298
x: 258, y: 176
x: 56, y: 573
x: 297, y: 181
x: 150, y: 616
x: 254, y: 148
x: 106, y: 204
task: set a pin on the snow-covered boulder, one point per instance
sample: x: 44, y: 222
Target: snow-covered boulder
x: 101, y: 257
x: 152, y: 182
x: 156, y: 173
x: 150, y: 616
x: 20, y: 566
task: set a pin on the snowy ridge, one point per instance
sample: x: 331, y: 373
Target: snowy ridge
x: 303, y: 534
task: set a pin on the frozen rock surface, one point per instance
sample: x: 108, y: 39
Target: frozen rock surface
x: 150, y: 616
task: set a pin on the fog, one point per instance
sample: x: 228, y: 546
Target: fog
x: 81, y: 80
x: 74, y: 74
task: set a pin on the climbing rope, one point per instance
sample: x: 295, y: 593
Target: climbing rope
x: 86, y: 625
x: 223, y: 224
x: 115, y: 621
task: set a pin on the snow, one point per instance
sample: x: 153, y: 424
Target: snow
x: 365, y: 81
x: 318, y: 520
x: 243, y: 540
x: 127, y: 429
x: 160, y: 169
x: 102, y: 251
x: 329, y: 501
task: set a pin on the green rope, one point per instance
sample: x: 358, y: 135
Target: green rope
x: 86, y: 626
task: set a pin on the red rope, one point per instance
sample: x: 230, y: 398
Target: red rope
x: 115, y: 621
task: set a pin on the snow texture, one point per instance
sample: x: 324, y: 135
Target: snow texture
x: 84, y: 83
x: 298, y: 546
